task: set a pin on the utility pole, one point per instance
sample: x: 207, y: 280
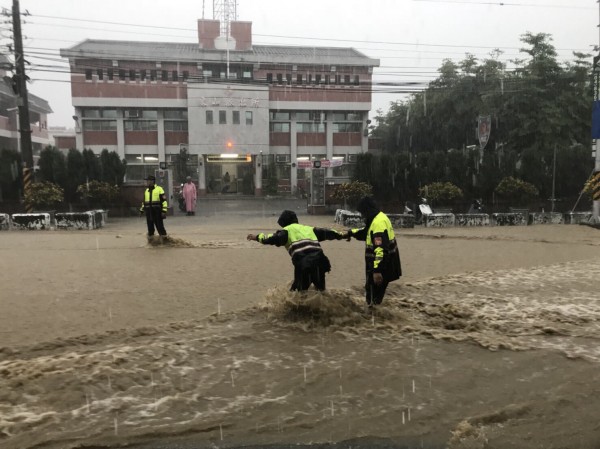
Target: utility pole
x: 20, y: 85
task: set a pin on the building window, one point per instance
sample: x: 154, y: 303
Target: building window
x: 222, y: 117
x: 317, y: 79
x: 347, y: 79
x: 99, y: 113
x: 288, y: 78
x: 207, y: 73
x: 141, y: 113
x: 100, y: 74
x: 88, y: 74
x: 236, y: 117
x: 139, y: 166
x: 209, y: 117
x: 140, y: 125
x: 143, y: 75
x: 315, y: 116
x: 99, y: 125
x: 110, y: 74
x: 299, y: 79
x: 177, y: 114
x: 109, y: 113
x: 347, y: 116
x: 279, y: 127
x: 279, y: 78
x: 164, y: 75
x: 248, y: 117
x: 310, y: 127
x: 347, y: 127
x: 175, y: 75
x: 122, y: 75
x: 132, y: 75
x: 91, y: 113
x: 133, y: 158
x: 276, y: 115
x: 327, y: 79
x: 186, y: 75
x: 356, y: 80
x: 152, y: 75
x: 176, y: 125
x: 309, y: 79
x: 270, y: 78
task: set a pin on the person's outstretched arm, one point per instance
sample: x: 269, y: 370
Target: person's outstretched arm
x: 358, y: 234
x: 279, y: 238
x: 328, y: 234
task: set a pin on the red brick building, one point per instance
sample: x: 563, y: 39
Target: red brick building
x: 252, y: 111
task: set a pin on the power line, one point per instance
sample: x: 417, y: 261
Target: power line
x: 501, y: 3
x: 291, y: 37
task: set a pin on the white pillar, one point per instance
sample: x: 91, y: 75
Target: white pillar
x: 201, y: 175
x: 329, y: 142
x: 79, y: 144
x: 293, y: 155
x: 121, y: 138
x: 364, y: 141
x: 258, y: 175
x: 161, y: 137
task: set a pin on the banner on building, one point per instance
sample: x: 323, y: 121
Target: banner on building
x: 324, y: 163
x: 596, y: 104
x: 484, y: 128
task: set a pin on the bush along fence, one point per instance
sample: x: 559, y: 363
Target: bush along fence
x: 92, y: 219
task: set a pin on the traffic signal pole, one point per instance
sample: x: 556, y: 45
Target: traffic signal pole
x: 22, y: 101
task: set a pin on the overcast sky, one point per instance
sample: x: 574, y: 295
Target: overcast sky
x: 410, y: 37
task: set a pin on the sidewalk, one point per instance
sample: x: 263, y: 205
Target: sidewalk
x: 230, y: 205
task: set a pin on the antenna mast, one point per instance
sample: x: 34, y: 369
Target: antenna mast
x: 225, y: 11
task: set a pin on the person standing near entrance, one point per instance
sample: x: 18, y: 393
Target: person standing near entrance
x: 189, y: 195
x: 382, y: 258
x: 155, y: 207
x: 226, y: 182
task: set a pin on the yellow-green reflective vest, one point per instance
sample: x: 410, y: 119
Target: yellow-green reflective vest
x: 153, y: 200
x: 301, y: 238
x: 380, y: 223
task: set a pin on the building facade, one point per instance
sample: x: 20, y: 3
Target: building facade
x: 260, y: 114
x: 9, y: 116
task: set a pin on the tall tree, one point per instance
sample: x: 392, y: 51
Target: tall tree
x: 76, y: 174
x: 53, y: 166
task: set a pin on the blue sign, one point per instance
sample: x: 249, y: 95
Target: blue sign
x: 596, y: 120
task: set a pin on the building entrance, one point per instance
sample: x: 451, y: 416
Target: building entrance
x: 226, y: 176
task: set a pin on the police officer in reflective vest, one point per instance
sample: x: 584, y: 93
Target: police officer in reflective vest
x: 155, y: 207
x: 302, y: 242
x: 382, y: 258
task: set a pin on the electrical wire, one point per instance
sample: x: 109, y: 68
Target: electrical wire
x: 290, y: 37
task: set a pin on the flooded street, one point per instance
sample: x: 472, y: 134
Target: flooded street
x: 489, y: 340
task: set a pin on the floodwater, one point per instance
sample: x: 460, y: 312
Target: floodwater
x: 490, y: 340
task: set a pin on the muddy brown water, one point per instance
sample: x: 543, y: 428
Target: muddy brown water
x: 489, y: 340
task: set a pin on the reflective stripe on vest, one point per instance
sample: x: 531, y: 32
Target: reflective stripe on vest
x: 301, y: 238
